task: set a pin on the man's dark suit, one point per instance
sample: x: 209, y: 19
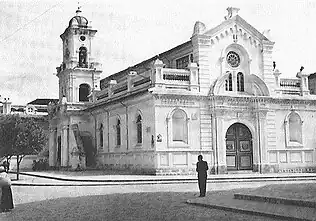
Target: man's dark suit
x: 201, y: 168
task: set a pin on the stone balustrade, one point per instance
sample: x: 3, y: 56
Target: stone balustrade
x: 157, y: 77
x: 73, y: 64
x: 175, y: 76
x: 291, y: 86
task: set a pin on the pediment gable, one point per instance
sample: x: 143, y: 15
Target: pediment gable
x: 234, y: 25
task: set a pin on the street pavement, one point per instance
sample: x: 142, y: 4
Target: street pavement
x: 38, y: 189
x: 56, y: 178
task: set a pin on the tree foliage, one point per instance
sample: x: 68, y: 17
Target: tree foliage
x: 20, y: 136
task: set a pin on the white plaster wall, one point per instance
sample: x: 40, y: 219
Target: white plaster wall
x: 131, y: 154
x: 288, y: 157
x: 218, y: 50
x: 165, y: 129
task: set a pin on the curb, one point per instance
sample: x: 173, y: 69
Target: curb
x: 152, y: 182
x: 251, y: 212
x: 180, y: 180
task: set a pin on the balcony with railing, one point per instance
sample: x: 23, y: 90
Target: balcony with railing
x: 292, y: 86
x: 74, y: 64
x: 158, y: 78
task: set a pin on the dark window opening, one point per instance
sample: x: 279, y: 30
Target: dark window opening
x: 118, y: 132
x: 101, y: 135
x: 83, y: 57
x: 240, y: 82
x: 183, y: 62
x: 229, y: 83
x: 139, y: 129
x: 84, y: 90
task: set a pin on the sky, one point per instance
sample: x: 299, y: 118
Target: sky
x: 132, y: 31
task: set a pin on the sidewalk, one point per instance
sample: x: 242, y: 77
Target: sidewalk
x: 289, y: 202
x: 57, y: 178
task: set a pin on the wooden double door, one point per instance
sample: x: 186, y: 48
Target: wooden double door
x: 239, y: 150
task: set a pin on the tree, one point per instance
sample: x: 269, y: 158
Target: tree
x: 20, y: 136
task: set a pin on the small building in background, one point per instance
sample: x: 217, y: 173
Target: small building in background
x: 36, y: 109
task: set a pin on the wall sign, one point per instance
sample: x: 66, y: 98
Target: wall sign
x: 159, y: 138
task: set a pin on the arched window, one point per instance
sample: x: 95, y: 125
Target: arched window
x: 229, y: 83
x: 84, y: 90
x: 240, y: 82
x: 295, y: 128
x: 83, y: 57
x: 118, y: 132
x: 139, y: 129
x: 179, y: 126
x: 101, y: 135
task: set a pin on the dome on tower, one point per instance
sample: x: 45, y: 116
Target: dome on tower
x: 78, y: 20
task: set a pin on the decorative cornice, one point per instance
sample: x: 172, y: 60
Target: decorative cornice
x: 262, y: 101
x: 177, y: 96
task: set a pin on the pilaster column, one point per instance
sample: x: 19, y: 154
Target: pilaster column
x: 201, y: 55
x: 267, y: 68
x: 64, y: 146
x: 75, y: 94
x: 52, y: 146
x: 221, y: 146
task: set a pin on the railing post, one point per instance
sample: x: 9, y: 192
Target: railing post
x: 110, y: 87
x: 277, y: 74
x: 304, y: 82
x: 158, y: 73
x: 129, y: 80
x: 194, y: 84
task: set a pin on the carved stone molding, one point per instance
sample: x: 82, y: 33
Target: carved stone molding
x: 177, y: 102
x: 184, y: 100
x: 219, y: 99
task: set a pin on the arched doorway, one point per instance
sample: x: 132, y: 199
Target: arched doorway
x: 239, y: 151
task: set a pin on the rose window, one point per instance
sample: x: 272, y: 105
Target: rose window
x: 233, y: 59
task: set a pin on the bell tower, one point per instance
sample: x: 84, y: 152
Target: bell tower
x: 78, y: 74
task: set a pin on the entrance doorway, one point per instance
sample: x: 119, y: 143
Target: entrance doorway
x: 239, y: 154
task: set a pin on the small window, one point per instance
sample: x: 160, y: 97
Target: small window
x: 295, y: 128
x: 183, y: 62
x: 240, y: 82
x: 118, y: 132
x: 179, y: 126
x: 101, y: 135
x: 229, y: 83
x: 139, y: 129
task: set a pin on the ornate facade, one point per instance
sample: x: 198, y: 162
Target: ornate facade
x: 218, y: 94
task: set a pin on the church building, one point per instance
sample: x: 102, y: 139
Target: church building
x: 218, y: 94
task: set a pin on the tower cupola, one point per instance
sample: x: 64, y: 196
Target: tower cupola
x: 79, y: 73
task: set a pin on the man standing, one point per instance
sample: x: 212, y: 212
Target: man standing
x: 201, y: 168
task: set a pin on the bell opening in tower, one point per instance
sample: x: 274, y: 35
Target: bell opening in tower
x: 83, y: 57
x: 84, y: 91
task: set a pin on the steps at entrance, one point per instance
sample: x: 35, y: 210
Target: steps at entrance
x: 254, y: 204
x: 275, y: 200
x: 227, y: 202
